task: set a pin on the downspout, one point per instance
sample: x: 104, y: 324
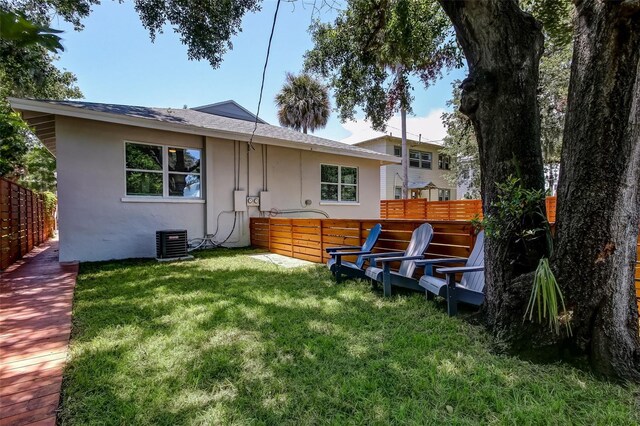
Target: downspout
x: 203, y: 184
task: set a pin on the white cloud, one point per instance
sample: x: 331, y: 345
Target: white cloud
x: 430, y: 126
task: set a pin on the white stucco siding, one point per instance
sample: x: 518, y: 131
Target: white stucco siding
x: 98, y: 222
x: 291, y: 185
x: 94, y: 222
x: 288, y: 183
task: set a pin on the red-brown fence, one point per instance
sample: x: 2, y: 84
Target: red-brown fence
x: 420, y: 208
x: 308, y: 238
x: 24, y: 222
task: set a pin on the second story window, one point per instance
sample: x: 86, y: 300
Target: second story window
x: 397, y: 150
x: 419, y: 159
x: 444, y: 162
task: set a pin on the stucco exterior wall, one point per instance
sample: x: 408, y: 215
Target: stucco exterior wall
x: 292, y: 176
x: 94, y: 222
x: 98, y: 222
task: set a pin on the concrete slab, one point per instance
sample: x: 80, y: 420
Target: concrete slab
x: 280, y: 260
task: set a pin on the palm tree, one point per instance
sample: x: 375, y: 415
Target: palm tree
x: 303, y: 103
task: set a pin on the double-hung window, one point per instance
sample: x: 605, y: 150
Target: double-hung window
x: 338, y: 183
x: 419, y: 159
x: 444, y: 194
x: 444, y: 162
x: 162, y: 171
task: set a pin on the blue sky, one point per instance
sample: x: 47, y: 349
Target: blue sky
x: 116, y: 62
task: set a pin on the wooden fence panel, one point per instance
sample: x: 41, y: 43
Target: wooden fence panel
x: 465, y: 210
x: 24, y: 223
x: 308, y: 239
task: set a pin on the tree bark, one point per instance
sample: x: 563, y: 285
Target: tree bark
x: 599, y: 191
x: 502, y: 46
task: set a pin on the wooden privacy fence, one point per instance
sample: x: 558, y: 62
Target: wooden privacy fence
x: 307, y: 239
x: 420, y: 208
x: 24, y: 222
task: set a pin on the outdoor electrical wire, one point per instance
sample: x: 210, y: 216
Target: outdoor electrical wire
x: 264, y: 72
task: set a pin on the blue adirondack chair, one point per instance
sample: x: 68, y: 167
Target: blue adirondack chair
x: 469, y: 290
x: 339, y: 267
x: 420, y: 240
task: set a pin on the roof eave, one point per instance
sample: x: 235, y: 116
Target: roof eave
x: 70, y: 111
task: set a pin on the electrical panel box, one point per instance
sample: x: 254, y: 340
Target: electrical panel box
x: 253, y: 201
x: 240, y: 201
x: 265, y: 201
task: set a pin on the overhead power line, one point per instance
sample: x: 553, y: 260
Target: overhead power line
x: 264, y: 73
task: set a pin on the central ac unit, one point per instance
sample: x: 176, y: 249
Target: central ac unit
x: 171, y: 244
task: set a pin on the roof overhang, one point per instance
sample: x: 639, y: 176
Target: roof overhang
x: 30, y: 107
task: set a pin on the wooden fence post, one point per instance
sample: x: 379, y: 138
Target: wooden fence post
x: 320, y: 229
x: 291, y: 234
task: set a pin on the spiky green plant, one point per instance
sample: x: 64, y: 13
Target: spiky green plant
x: 544, y: 299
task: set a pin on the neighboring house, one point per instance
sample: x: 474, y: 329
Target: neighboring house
x: 427, y: 169
x: 126, y: 171
x: 465, y: 189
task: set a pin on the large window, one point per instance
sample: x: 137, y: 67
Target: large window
x: 157, y: 171
x: 419, y: 159
x: 444, y: 194
x: 338, y: 183
x: 444, y: 162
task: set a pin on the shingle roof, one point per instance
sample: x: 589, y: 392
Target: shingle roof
x: 195, y: 119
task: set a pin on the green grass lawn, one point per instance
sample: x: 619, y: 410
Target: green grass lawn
x: 227, y: 339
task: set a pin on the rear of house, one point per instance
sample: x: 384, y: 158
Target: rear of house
x: 428, y: 170
x: 125, y: 172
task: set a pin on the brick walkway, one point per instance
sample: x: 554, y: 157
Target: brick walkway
x: 35, y: 322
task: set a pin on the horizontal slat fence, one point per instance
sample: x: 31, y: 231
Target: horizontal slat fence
x: 420, y: 208
x: 308, y: 239
x: 24, y: 222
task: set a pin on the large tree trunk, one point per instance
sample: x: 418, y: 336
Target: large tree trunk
x: 599, y: 190
x: 502, y: 46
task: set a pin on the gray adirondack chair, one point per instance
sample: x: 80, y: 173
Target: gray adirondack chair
x: 339, y: 267
x: 469, y: 290
x: 420, y: 240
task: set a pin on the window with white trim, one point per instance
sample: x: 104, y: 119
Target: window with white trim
x: 444, y: 194
x: 338, y: 183
x: 162, y: 171
x: 397, y: 150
